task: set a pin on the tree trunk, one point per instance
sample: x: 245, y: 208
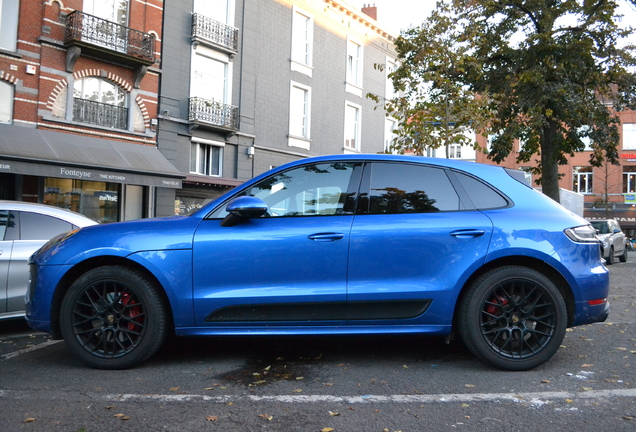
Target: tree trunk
x: 549, y: 163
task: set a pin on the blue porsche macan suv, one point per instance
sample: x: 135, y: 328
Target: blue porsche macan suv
x: 348, y: 244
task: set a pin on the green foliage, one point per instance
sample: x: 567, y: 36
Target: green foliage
x: 544, y: 72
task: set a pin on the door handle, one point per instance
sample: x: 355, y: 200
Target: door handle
x: 326, y: 237
x: 468, y: 233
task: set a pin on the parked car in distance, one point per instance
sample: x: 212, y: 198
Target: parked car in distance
x: 344, y: 244
x: 613, y: 240
x: 24, y: 228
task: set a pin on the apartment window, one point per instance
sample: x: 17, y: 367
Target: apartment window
x: 206, y: 157
x: 6, y: 102
x: 582, y: 179
x: 352, y: 127
x: 389, y: 92
x: 111, y: 10
x: 354, y: 67
x: 209, y: 76
x: 218, y: 10
x: 299, y: 115
x: 302, y: 41
x: 629, y: 179
x: 629, y: 136
x: 9, y: 15
x: 389, y: 127
x: 99, y: 102
x: 586, y: 140
x: 455, y: 151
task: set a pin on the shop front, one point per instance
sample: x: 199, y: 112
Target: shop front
x: 106, y: 180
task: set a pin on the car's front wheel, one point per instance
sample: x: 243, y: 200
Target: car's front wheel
x: 513, y: 318
x: 623, y: 258
x: 112, y: 317
x: 610, y: 258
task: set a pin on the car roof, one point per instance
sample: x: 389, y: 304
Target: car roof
x: 67, y: 215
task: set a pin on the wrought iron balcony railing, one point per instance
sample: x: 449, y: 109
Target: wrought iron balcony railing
x: 84, y: 29
x: 207, y: 29
x: 100, y: 114
x: 205, y: 111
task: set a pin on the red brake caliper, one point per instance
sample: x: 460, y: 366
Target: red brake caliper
x: 493, y: 309
x: 126, y: 299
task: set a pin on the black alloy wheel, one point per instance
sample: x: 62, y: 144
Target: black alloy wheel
x: 513, y: 318
x: 113, y: 318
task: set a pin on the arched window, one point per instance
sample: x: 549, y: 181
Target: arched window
x: 100, y: 102
x: 6, y: 102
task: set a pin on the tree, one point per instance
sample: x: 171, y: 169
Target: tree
x: 435, y: 107
x: 549, y: 69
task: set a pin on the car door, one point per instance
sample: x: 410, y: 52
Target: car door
x: 287, y: 268
x: 34, y: 230
x: 7, y: 226
x: 412, y: 239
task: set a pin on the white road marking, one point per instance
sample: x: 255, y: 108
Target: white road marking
x: 531, y: 398
x: 27, y: 350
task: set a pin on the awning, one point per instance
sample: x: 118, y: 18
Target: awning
x: 30, y: 151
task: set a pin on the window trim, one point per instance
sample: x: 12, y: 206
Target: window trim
x: 11, y: 24
x: 207, y: 142
x: 203, y: 51
x: 9, y: 100
x: 631, y: 132
x: 300, y: 141
x: 576, y: 176
x: 354, y: 81
x: 296, y: 64
x: 358, y: 129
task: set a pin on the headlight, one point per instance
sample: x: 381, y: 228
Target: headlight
x: 582, y: 234
x: 56, y: 240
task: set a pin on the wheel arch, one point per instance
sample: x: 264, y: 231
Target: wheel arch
x: 524, y: 261
x: 79, y: 269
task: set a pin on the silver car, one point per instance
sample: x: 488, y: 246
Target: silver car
x: 24, y: 228
x: 612, y: 240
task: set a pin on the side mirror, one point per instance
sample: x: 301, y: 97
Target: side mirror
x: 616, y: 230
x: 242, y: 209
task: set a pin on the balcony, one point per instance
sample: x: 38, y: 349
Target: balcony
x: 210, y: 32
x: 100, y: 114
x: 205, y: 112
x: 107, y: 40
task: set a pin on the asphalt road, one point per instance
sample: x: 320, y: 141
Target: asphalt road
x: 328, y: 383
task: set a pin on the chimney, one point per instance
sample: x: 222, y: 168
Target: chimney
x: 371, y: 11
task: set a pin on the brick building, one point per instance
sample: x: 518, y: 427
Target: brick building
x: 249, y: 85
x: 79, y: 84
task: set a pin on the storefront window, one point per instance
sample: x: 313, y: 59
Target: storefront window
x: 184, y: 206
x: 96, y: 200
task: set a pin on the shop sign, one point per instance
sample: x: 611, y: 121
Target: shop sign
x: 631, y: 157
x: 630, y: 198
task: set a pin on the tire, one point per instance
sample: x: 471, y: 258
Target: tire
x: 513, y: 318
x: 112, y: 317
x: 623, y: 258
x: 610, y: 258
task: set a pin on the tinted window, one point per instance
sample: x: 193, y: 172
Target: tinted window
x: 482, y: 195
x: 403, y: 188
x: 6, y: 219
x: 312, y: 190
x: 35, y: 226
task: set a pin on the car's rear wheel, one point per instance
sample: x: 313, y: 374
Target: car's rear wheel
x: 513, y: 318
x: 623, y: 258
x: 113, y: 318
x: 610, y: 258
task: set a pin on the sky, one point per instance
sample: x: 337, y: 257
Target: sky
x: 401, y: 14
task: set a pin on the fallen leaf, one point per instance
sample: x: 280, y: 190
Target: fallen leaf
x: 469, y: 385
x: 333, y: 414
x: 569, y: 400
x: 120, y: 415
x: 621, y: 349
x: 327, y: 429
x: 300, y: 378
x: 174, y: 388
x: 110, y: 407
x: 266, y: 416
x: 545, y: 381
x: 229, y: 403
x: 28, y: 420
x: 328, y: 384
x: 212, y: 418
x: 628, y: 417
x: 465, y: 405
x: 209, y: 388
x: 405, y: 366
x: 587, y: 365
x: 298, y: 391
